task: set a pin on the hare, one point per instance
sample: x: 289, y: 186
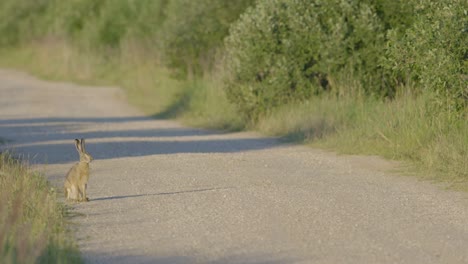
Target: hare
x: 77, y: 177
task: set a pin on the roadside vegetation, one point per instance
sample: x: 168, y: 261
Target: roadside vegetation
x: 32, y: 222
x: 383, y: 77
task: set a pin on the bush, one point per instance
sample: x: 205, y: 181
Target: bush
x: 119, y: 19
x: 194, y: 30
x: 432, y: 55
x: 396, y: 15
x: 70, y: 18
x: 104, y: 24
x: 282, y: 51
x: 20, y: 20
x: 187, y: 34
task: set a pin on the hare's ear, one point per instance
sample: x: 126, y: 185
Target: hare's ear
x: 78, y: 144
x: 83, y: 145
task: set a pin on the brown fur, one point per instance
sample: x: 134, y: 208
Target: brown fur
x: 77, y: 177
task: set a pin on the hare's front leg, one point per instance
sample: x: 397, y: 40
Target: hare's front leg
x: 85, y: 198
x: 80, y: 194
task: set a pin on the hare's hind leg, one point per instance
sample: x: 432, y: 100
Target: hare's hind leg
x: 72, y: 193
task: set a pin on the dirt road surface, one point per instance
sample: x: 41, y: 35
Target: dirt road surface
x: 164, y: 193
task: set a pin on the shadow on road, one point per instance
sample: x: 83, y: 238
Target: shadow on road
x: 161, y: 193
x: 50, y: 140
x: 32, y: 121
x: 246, y: 258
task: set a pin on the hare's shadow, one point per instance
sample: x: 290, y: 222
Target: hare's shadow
x: 161, y: 193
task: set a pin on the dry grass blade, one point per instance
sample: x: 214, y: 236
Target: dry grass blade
x: 31, y: 219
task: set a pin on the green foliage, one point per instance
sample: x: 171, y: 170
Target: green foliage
x: 186, y: 33
x: 149, y: 16
x: 70, y: 18
x: 111, y: 24
x: 432, y: 56
x: 119, y: 18
x: 396, y: 15
x: 21, y: 20
x: 104, y: 24
x: 282, y: 51
x: 194, y: 30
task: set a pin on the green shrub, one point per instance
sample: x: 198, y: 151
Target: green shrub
x: 396, y: 14
x: 119, y: 18
x: 20, y: 20
x: 148, y: 19
x: 432, y: 55
x: 281, y: 51
x: 104, y: 24
x: 70, y: 17
x: 194, y: 30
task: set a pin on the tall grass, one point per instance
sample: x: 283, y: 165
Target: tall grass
x: 404, y: 129
x: 32, y: 222
x: 209, y: 107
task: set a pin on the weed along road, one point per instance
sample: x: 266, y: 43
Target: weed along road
x: 160, y: 192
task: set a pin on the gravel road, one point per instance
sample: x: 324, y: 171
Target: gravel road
x: 164, y: 193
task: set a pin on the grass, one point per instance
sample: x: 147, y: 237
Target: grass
x: 209, y: 107
x: 405, y: 129
x: 32, y: 221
